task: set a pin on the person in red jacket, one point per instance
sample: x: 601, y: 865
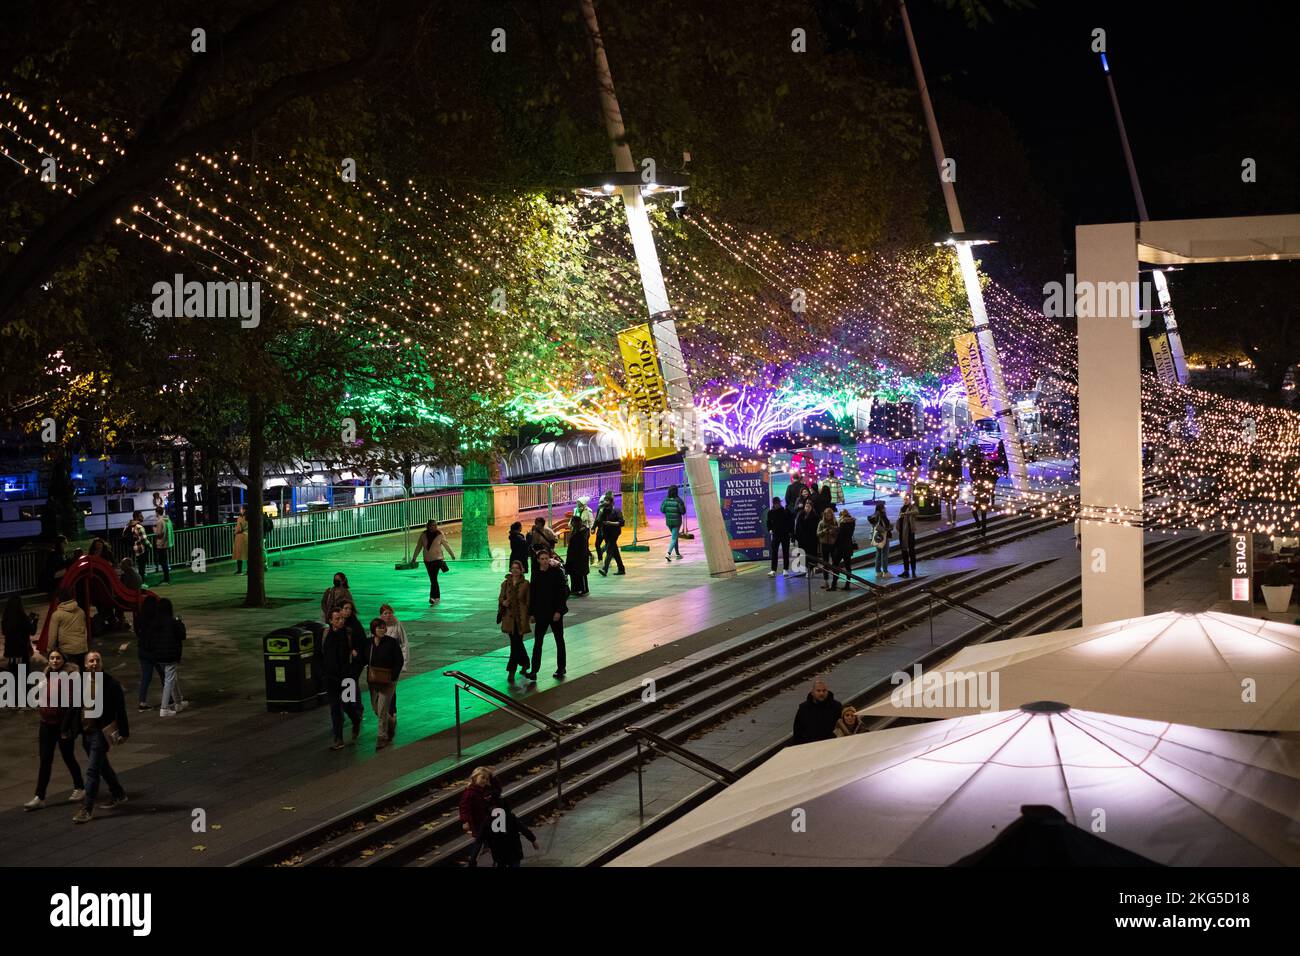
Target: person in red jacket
x: 476, y: 804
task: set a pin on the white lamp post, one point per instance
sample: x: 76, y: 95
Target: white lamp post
x: 681, y: 402
x: 1002, y: 409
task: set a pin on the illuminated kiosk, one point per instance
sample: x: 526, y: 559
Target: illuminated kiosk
x: 681, y: 402
x: 1110, y: 396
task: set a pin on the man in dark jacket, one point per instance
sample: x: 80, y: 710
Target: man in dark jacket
x: 793, y: 492
x: 103, y: 723
x: 816, y: 717
x: 501, y: 831
x: 339, y: 668
x: 519, y: 550
x: 610, y: 528
x: 598, y: 532
x: 548, y: 596
x: 780, y: 526
x: 165, y: 638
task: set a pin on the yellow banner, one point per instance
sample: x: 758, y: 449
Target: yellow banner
x: 1160, y: 351
x: 972, y: 376
x: 646, y: 393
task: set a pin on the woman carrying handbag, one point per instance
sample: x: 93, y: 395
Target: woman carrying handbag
x: 381, y: 675
x: 431, y: 546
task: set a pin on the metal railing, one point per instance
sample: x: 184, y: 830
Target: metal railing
x: 877, y: 591
x: 677, y: 753
x: 963, y: 608
x: 20, y: 570
x: 519, y: 710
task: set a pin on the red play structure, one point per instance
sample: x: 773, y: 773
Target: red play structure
x: 96, y: 584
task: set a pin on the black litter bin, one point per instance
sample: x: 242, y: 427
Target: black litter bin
x: 290, y: 656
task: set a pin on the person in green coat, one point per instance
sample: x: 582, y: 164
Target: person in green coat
x: 674, y: 510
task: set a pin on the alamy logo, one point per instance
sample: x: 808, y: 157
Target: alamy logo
x: 1089, y: 300
x: 208, y: 300
x: 79, y: 691
x: 76, y: 909
x: 949, y: 689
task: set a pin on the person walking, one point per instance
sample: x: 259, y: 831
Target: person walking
x: 397, y: 631
x: 99, y: 732
x: 67, y: 631
x: 548, y: 603
x: 519, y: 545
x: 577, y: 559
x: 383, y: 669
x: 18, y: 630
x: 334, y: 596
x: 611, y: 527
x: 827, y: 532
x: 1003, y: 465
x: 513, y: 603
x: 57, y: 730
x: 816, y: 717
x: 240, y: 550
x: 166, y: 640
x: 780, y: 526
x: 431, y: 546
x: 849, y: 724
x: 582, y: 515
x: 502, y: 833
x: 138, y: 541
x: 476, y: 804
x: 338, y: 667
x: 845, y: 547
x: 674, y: 510
x: 144, y: 650
x: 795, y: 491
x: 805, y: 533
x: 880, y: 532
x: 835, y: 487
x: 540, y: 538
x: 908, y: 515
x: 602, y: 512
x: 164, y: 536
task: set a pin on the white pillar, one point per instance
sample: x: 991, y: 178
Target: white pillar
x: 1110, y: 422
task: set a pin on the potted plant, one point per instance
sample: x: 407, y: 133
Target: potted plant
x: 1276, y: 586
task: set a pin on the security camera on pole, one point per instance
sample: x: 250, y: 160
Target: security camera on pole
x: 681, y: 403
x: 962, y: 242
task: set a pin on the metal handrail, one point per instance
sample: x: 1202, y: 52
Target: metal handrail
x: 876, y: 590
x: 678, y: 754
x: 963, y: 608
x: 529, y: 715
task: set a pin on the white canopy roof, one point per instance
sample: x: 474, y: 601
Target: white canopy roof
x: 929, y: 794
x: 1210, y: 670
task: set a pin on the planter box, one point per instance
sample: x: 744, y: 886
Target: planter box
x: 1277, y: 599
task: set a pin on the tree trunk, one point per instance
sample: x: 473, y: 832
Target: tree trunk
x: 408, y: 472
x: 476, y: 513
x: 211, y: 488
x: 191, y: 505
x: 178, y: 490
x: 256, y: 594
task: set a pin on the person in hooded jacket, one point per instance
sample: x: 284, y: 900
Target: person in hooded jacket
x: 849, y: 723
x: 166, y: 637
x: 817, y: 715
x: 674, y: 510
x: 845, y: 547
x: 67, y: 632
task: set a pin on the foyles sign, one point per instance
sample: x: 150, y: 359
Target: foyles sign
x: 1241, y: 561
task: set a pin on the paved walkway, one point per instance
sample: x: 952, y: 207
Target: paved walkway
x: 258, y: 775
